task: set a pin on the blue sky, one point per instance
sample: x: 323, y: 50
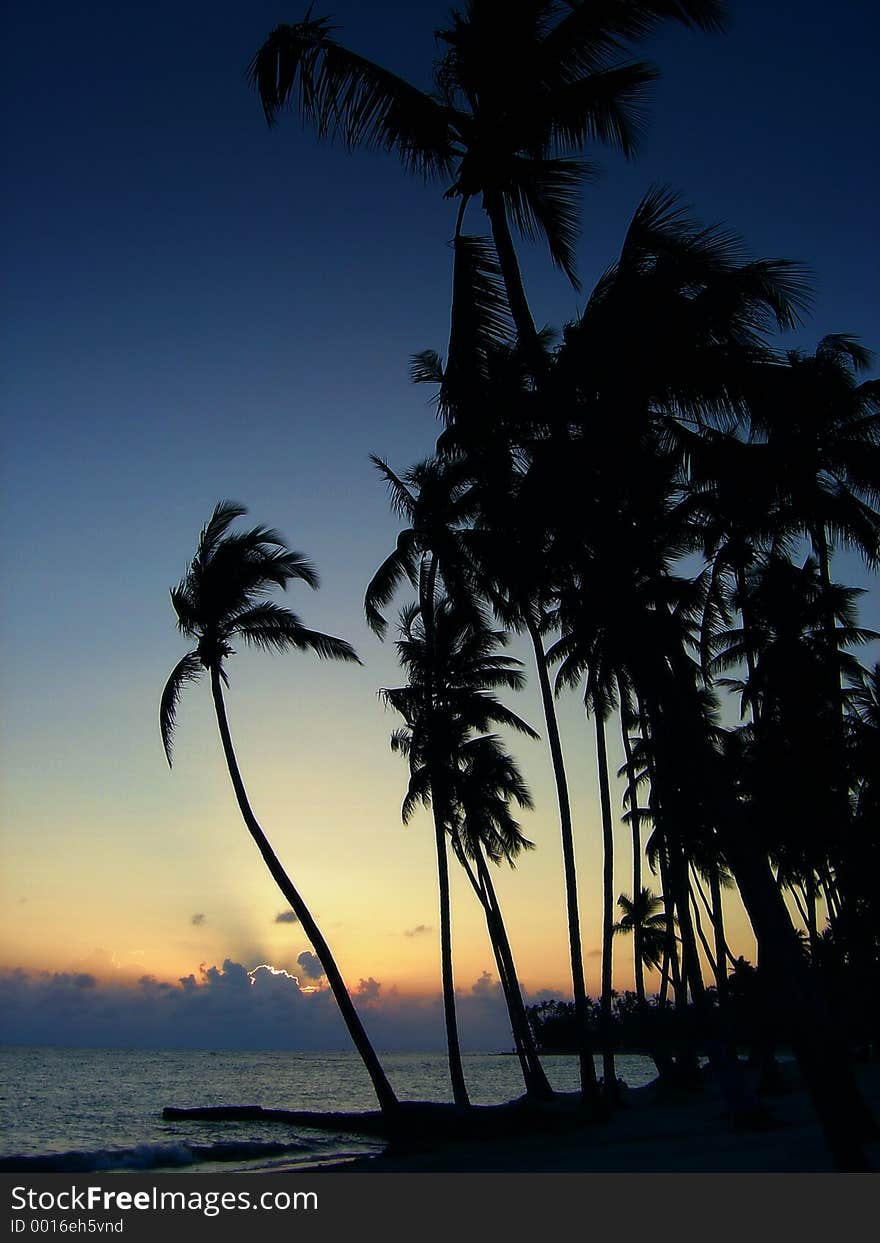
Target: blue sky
x: 198, y: 307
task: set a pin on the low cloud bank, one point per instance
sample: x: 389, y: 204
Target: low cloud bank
x: 237, y: 1007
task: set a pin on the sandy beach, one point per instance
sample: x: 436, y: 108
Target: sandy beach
x: 691, y: 1134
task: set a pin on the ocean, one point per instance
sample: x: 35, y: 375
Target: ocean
x: 80, y: 1110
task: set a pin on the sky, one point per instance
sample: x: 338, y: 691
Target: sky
x: 198, y: 307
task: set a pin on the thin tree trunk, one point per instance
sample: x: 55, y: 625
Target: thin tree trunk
x: 609, y: 1072
x: 503, y: 977
x: 388, y: 1102
x: 537, y: 1083
x: 635, y: 824
x: 722, y: 953
x: 665, y: 973
x: 589, y: 1087
x: 439, y: 803
x: 701, y: 936
x: 456, y: 1070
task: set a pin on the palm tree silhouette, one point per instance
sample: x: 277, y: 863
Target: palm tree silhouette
x: 644, y: 915
x: 223, y: 596
x: 452, y: 668
x: 520, y: 87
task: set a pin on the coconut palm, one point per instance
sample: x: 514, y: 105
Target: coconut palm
x: 520, y: 88
x: 823, y: 427
x: 223, y: 596
x: 644, y: 915
x: 450, y: 658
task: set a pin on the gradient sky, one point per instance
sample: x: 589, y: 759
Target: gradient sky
x: 199, y: 307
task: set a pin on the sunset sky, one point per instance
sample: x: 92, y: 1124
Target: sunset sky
x: 201, y: 308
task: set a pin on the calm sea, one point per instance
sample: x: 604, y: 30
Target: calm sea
x: 75, y: 1110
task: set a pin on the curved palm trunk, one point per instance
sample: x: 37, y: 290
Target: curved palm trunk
x: 589, y: 1087
x: 537, y: 1083
x: 456, y: 1070
x: 503, y: 975
x: 388, y: 1102
x: 609, y: 1073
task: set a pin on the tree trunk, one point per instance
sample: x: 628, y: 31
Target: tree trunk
x: 388, y: 1102
x: 456, y: 1070
x: 609, y: 1073
x: 589, y: 1087
x: 635, y: 823
x: 722, y: 953
x: 503, y: 976
x: 537, y: 1083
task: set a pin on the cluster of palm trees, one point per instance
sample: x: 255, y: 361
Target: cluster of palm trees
x: 654, y: 503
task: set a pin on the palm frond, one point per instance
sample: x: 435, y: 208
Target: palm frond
x: 347, y: 96
x: 397, y: 566
x: 480, y: 320
x: 324, y: 645
x: 188, y: 669
x: 543, y: 197
x: 606, y: 106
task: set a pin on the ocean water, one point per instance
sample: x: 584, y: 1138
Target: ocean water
x: 76, y: 1110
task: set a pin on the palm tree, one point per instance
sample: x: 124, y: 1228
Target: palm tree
x: 520, y: 87
x: 223, y: 596
x: 452, y: 666
x: 823, y: 428
x: 644, y: 916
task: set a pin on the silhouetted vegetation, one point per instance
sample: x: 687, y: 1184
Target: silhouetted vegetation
x: 654, y: 502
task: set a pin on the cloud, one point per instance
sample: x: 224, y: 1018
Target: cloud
x: 368, y: 991
x: 593, y: 954
x: 286, y: 917
x: 239, y: 1006
x: 484, y: 986
x: 310, y: 964
x: 418, y: 931
x: 198, y: 920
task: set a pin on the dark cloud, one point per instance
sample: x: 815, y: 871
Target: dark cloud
x: 419, y: 930
x: 368, y: 990
x: 485, y: 987
x: 198, y: 920
x: 286, y: 917
x: 233, y: 1006
x: 311, y: 965
x: 593, y: 954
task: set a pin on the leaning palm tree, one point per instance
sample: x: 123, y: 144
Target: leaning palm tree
x: 520, y: 88
x: 222, y: 597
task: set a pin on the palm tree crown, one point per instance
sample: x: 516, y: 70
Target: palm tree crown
x: 520, y: 87
x: 222, y: 595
